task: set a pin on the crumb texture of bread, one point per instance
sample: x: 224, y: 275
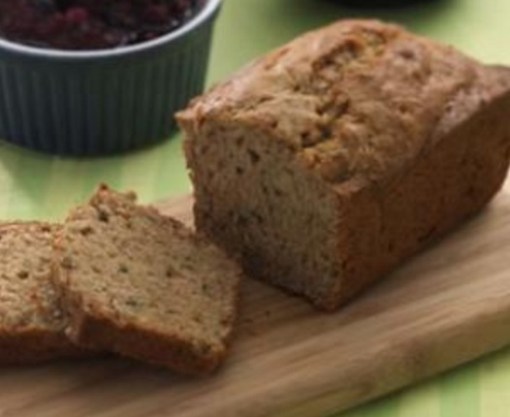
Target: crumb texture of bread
x: 327, y: 162
x: 142, y: 285
x: 31, y: 321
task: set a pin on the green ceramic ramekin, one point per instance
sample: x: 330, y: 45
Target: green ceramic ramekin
x: 105, y: 101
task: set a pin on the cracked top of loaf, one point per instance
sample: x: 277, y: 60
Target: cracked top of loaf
x: 359, y: 98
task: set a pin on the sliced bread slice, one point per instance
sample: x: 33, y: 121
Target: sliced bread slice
x: 142, y: 285
x: 31, y: 322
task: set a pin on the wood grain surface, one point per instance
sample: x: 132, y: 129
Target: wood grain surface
x: 445, y: 307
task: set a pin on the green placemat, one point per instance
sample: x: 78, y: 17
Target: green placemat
x: 38, y: 186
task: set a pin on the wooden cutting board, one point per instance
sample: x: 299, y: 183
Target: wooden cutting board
x: 445, y: 307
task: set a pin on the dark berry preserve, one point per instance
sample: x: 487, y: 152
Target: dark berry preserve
x: 91, y: 24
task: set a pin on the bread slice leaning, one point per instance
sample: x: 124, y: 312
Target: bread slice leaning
x: 142, y: 285
x: 31, y: 322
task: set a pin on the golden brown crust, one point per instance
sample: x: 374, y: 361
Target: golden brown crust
x: 447, y: 185
x: 357, y: 98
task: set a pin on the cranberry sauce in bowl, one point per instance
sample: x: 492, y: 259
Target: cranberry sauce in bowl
x: 98, y: 77
x: 91, y: 24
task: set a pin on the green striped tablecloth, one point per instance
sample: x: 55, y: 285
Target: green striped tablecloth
x: 37, y: 186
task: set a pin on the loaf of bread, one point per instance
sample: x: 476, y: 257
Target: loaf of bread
x: 31, y: 321
x: 140, y: 284
x: 326, y: 163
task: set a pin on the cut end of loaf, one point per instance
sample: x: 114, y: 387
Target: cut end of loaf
x: 278, y: 218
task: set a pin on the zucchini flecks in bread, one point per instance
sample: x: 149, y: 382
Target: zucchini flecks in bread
x: 142, y: 285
